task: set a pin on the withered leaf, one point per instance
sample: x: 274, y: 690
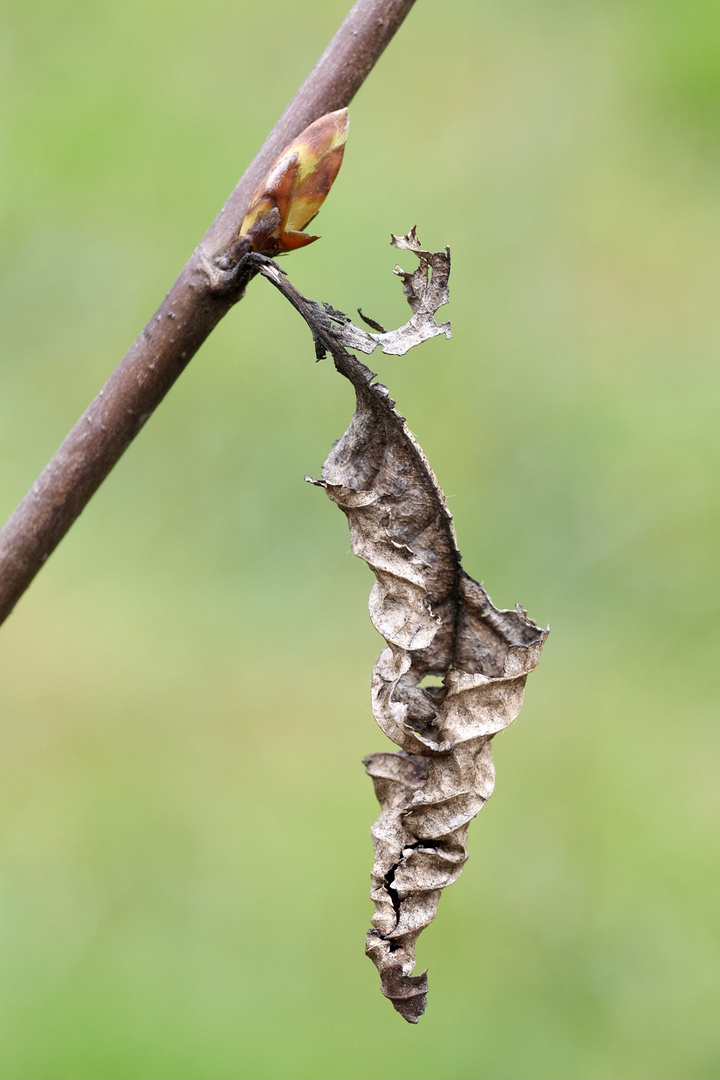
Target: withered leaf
x: 437, y: 622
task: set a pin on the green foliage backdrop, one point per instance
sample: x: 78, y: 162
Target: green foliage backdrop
x: 184, y: 692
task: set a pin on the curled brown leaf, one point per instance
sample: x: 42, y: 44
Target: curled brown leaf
x: 437, y: 622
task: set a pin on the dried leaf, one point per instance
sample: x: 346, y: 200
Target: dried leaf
x: 437, y: 622
x: 426, y: 290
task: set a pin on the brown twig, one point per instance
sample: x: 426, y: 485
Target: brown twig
x: 205, y: 290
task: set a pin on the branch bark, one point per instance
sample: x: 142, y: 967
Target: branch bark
x: 202, y: 294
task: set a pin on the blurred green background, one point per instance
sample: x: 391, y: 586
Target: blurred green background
x: 185, y: 689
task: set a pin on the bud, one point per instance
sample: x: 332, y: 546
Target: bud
x: 293, y: 191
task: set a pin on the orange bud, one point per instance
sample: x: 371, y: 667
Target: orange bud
x: 293, y: 191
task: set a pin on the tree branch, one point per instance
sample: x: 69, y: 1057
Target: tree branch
x: 205, y: 290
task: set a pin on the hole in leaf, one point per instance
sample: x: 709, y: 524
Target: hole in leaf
x: 430, y: 680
